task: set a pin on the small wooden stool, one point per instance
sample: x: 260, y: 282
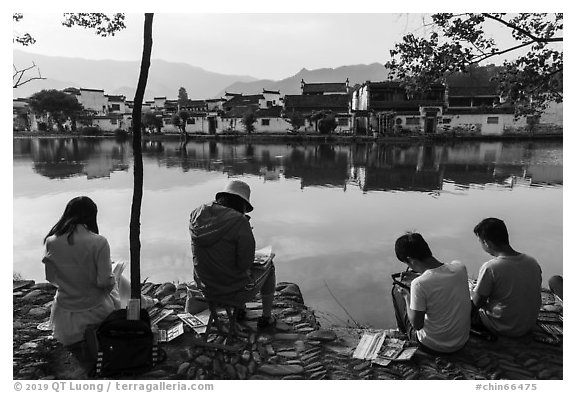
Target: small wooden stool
x: 214, y: 320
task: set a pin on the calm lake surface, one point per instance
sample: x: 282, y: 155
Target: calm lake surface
x: 331, y: 212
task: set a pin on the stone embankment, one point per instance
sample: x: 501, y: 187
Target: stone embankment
x: 297, y: 349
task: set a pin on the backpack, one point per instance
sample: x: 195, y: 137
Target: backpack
x: 119, y: 346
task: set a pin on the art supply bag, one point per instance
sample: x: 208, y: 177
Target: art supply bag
x: 120, y: 346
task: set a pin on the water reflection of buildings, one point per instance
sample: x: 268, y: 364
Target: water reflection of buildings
x: 368, y: 166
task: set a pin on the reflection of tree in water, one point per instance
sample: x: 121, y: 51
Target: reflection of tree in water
x: 58, y: 158
x: 249, y: 150
x: 213, y: 149
x: 151, y: 148
x: 21, y: 147
x: 399, y: 167
x: 320, y: 165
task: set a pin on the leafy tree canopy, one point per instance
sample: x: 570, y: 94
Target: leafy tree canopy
x: 103, y: 24
x: 248, y: 121
x: 458, y: 41
x: 153, y: 120
x: 182, y: 96
x: 55, y: 102
x: 179, y: 120
x: 296, y: 119
x: 58, y: 105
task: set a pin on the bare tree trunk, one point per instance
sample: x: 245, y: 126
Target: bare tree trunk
x: 138, y: 166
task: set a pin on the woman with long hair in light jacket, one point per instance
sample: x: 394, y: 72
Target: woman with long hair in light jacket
x: 77, y: 261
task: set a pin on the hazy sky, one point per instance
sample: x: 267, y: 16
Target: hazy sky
x: 267, y: 46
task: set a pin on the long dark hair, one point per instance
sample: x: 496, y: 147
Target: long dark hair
x: 79, y: 211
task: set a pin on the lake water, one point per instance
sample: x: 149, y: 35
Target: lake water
x: 331, y: 212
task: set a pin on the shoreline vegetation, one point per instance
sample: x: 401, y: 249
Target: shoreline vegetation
x: 302, y: 350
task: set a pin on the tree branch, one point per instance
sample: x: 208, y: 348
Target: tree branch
x: 487, y: 56
x: 19, y: 74
x: 521, y: 30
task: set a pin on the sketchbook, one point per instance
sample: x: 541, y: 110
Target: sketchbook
x: 263, y: 255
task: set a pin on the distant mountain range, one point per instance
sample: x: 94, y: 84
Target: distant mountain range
x: 121, y: 77
x: 354, y: 73
x: 165, y: 78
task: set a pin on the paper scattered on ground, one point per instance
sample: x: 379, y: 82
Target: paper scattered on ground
x: 203, y: 316
x: 369, y: 345
x: 159, y: 314
x: 191, y: 320
x: 381, y: 349
x: 171, y: 332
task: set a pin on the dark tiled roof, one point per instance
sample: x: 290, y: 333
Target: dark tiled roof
x: 110, y: 116
x: 385, y: 84
x: 238, y: 111
x: 379, y: 105
x: 72, y: 90
x: 324, y: 88
x: 96, y: 90
x: 243, y: 101
x: 471, y: 91
x: 316, y: 102
x: 396, y: 85
x: 116, y: 98
x: 484, y: 110
x: 195, y: 102
x: 274, y: 111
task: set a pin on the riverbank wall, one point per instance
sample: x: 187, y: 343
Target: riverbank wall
x: 299, y: 348
x: 301, y: 138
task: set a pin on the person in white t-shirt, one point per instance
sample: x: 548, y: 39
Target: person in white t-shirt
x: 436, y: 310
x: 507, y: 295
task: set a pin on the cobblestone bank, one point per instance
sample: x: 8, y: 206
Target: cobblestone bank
x: 297, y: 349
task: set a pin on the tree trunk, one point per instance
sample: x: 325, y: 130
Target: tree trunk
x: 138, y: 166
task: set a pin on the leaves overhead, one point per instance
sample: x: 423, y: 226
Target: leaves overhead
x: 103, y: 24
x: 23, y: 39
x: 456, y: 42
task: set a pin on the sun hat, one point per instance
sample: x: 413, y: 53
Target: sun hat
x: 239, y: 188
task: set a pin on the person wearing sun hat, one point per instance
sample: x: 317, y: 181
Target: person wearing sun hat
x: 223, y: 249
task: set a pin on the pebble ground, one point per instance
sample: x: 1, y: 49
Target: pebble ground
x: 299, y: 348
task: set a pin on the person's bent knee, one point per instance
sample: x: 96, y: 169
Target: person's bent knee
x: 269, y: 285
x: 556, y: 285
